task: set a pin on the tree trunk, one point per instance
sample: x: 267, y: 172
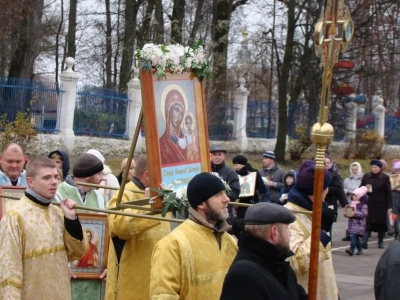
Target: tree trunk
x: 222, y: 11
x: 21, y: 63
x: 57, y: 54
x: 144, y: 32
x: 71, y: 34
x: 280, y: 146
x: 131, y: 10
x: 4, y: 55
x: 116, y: 54
x: 159, y: 26
x: 109, y: 53
x: 305, y: 72
x: 178, y: 12
x: 23, y: 59
x: 196, y: 22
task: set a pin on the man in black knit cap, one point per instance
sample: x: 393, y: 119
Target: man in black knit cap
x: 199, y: 249
x: 87, y: 169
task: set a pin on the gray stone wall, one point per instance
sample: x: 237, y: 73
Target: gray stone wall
x: 46, y: 143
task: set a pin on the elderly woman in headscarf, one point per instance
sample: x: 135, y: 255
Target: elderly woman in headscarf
x: 351, y: 183
x: 379, y: 201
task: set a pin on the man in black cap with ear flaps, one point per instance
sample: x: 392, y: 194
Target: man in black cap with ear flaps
x: 191, y: 262
x: 259, y: 271
x: 218, y: 155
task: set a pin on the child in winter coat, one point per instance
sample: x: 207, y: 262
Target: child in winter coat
x: 357, y: 219
x: 288, y: 181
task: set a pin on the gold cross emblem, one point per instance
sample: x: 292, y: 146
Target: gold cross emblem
x: 332, y: 35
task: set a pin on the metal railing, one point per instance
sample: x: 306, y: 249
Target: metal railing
x: 100, y: 112
x: 40, y: 99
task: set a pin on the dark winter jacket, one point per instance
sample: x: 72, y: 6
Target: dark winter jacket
x: 230, y: 177
x: 65, y: 166
x: 387, y: 273
x: 286, y: 188
x: 336, y: 191
x: 275, y: 174
x: 357, y: 223
x: 260, y: 272
x: 380, y: 200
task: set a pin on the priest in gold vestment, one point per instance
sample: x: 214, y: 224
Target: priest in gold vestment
x: 301, y: 198
x: 132, y: 243
x: 37, y: 239
x: 192, y: 261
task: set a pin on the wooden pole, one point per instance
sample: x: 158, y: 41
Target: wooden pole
x: 329, y: 40
x: 316, y: 224
x: 130, y: 156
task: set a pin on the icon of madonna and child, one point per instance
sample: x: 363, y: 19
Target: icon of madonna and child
x: 179, y: 143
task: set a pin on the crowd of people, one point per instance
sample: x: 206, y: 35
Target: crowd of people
x: 218, y: 252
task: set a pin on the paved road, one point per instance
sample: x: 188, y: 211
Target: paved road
x: 355, y: 274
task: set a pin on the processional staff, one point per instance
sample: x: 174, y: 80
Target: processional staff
x: 332, y: 35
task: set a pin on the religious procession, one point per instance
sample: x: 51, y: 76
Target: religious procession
x: 189, y: 217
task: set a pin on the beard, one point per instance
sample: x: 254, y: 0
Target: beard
x: 283, y: 245
x: 283, y: 248
x: 213, y: 214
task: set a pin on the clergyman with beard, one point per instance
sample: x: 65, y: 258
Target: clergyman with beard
x: 259, y: 271
x: 192, y: 261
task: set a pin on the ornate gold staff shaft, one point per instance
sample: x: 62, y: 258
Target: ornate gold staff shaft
x: 332, y: 34
x: 130, y: 157
x: 99, y: 186
x: 114, y: 210
x: 111, y: 211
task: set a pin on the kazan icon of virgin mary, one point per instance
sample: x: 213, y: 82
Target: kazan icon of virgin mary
x: 173, y: 142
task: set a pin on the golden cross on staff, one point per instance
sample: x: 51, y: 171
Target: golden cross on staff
x: 332, y: 35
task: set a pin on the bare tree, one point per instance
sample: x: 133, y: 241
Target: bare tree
x: 159, y: 26
x: 27, y: 44
x: 57, y: 50
x: 71, y: 35
x: 177, y: 21
x: 196, y: 23
x: 131, y: 11
x: 221, y: 18
x: 109, y: 51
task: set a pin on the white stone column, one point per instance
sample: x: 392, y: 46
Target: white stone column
x: 351, y: 120
x: 69, y: 78
x: 379, y: 111
x: 240, y: 104
x: 133, y: 109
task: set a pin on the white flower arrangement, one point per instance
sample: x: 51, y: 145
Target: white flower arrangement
x: 174, y: 197
x: 175, y: 58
